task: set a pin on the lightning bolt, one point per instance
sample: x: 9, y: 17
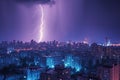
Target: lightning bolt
x: 42, y: 24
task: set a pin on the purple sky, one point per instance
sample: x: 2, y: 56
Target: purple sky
x: 66, y: 20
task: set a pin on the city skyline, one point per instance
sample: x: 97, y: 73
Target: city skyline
x: 59, y: 40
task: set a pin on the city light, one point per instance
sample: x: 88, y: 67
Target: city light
x: 32, y: 74
x: 72, y: 62
x: 50, y: 62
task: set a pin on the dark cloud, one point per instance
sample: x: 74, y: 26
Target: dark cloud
x: 37, y: 1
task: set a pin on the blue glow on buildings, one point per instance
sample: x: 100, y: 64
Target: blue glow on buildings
x: 72, y: 62
x: 77, y: 66
x: 33, y: 74
x: 50, y: 62
x: 68, y: 61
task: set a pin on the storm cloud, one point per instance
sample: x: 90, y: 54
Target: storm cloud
x: 36, y: 1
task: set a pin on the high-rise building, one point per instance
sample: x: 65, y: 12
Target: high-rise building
x: 115, y: 72
x: 109, y: 72
x: 104, y: 72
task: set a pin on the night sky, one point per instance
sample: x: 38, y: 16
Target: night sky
x: 66, y: 20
